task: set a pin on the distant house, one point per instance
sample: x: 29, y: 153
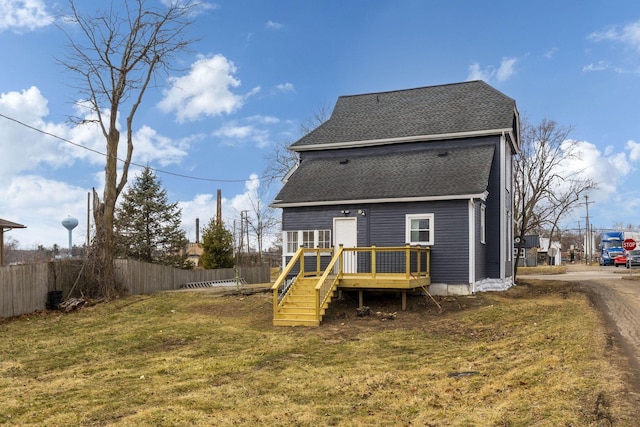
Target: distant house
x: 194, y: 253
x: 536, y: 250
x: 430, y: 166
x: 528, y: 254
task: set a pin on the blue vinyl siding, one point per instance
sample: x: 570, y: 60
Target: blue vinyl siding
x: 384, y: 225
x: 494, y: 233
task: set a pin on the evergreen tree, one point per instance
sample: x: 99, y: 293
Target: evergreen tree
x: 217, y: 246
x: 147, y: 226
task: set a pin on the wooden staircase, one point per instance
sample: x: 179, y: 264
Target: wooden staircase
x: 297, y: 307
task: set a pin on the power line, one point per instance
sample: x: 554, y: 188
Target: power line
x: 179, y: 175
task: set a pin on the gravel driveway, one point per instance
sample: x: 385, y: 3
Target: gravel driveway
x: 616, y: 293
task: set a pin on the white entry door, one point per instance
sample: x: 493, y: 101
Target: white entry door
x: 345, y: 233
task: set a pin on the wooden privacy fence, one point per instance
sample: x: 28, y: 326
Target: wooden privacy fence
x: 142, y: 278
x: 25, y: 288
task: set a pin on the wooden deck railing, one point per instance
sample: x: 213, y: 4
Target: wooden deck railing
x: 412, y: 261
x: 409, y: 262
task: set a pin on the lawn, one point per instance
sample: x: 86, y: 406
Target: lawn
x: 536, y: 355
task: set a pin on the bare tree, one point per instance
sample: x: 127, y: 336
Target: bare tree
x: 116, y: 56
x: 546, y: 188
x: 281, y: 160
x: 262, y: 220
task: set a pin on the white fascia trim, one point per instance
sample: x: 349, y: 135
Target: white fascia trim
x: 480, y: 196
x: 384, y: 141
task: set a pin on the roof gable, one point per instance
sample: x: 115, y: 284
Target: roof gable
x: 439, y: 111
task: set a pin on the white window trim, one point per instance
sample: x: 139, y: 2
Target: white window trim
x: 409, y: 217
x: 300, y: 234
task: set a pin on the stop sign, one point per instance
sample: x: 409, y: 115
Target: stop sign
x: 629, y: 244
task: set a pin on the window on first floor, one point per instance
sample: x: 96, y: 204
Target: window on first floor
x: 419, y: 229
x: 324, y: 238
x: 292, y: 241
x: 307, y: 238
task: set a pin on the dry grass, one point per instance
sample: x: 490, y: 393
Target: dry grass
x: 529, y: 357
x: 542, y: 269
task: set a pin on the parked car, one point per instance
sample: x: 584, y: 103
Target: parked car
x: 633, y: 258
x: 620, y: 260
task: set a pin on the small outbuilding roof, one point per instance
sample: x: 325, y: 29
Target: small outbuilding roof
x: 8, y: 225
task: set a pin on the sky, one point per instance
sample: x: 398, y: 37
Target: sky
x: 261, y: 68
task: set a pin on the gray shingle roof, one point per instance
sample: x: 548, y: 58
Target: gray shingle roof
x: 435, y: 110
x: 422, y: 174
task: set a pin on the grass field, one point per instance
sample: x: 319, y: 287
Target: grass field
x: 534, y: 356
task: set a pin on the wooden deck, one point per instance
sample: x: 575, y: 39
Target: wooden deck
x: 382, y: 281
x: 378, y: 268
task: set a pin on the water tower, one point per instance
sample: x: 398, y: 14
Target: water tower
x: 70, y: 223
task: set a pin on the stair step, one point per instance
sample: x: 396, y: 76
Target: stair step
x: 298, y: 306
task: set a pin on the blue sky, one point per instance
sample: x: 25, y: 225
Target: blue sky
x: 262, y: 67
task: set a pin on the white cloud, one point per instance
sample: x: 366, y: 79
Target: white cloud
x: 505, y: 70
x: 150, y: 146
x: 551, y: 53
x: 599, y: 66
x: 628, y: 34
x: 285, y: 87
x: 24, y: 15
x: 205, y: 91
x: 41, y: 204
x: 634, y: 150
x: 239, y: 132
x: 477, y: 73
x: 590, y: 162
x: 201, y: 6
x: 273, y: 25
x: 22, y: 148
x: 256, y: 130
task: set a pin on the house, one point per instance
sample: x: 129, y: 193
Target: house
x: 537, y: 250
x: 429, y: 167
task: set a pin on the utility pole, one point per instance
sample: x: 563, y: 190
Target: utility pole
x: 588, y: 230
x: 579, y: 237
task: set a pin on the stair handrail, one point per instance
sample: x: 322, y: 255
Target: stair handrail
x: 281, y: 280
x: 322, y: 291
